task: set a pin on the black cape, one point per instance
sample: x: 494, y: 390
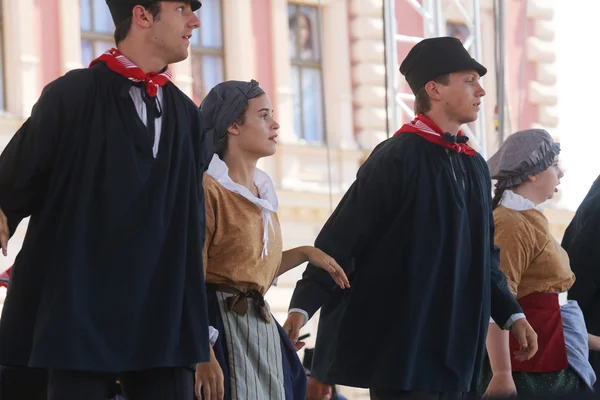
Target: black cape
x: 582, y: 243
x: 110, y: 274
x: 418, y: 245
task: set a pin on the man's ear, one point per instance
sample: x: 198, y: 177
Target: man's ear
x: 142, y: 17
x: 433, y: 90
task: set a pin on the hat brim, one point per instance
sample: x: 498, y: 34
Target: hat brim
x: 466, y: 65
x: 195, y: 4
x: 481, y: 70
x: 493, y: 165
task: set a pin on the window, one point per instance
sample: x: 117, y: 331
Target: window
x: 97, y: 29
x: 2, y: 97
x: 207, y: 49
x: 307, y: 85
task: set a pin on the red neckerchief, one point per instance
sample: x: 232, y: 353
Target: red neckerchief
x: 5, y: 277
x: 123, y: 66
x: 428, y: 130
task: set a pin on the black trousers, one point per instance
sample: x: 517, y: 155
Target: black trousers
x: 23, y: 383
x: 386, y: 394
x: 155, y: 384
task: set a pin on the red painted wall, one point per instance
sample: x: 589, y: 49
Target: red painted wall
x: 263, y: 46
x: 46, y: 30
x: 410, y: 23
x: 515, y: 49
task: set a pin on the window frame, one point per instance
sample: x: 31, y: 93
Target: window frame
x: 201, y: 51
x: 2, y: 60
x: 93, y: 36
x: 301, y: 64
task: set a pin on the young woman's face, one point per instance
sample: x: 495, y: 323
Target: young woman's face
x: 258, y: 134
x: 546, y: 182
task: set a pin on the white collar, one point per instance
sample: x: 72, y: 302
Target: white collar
x: 517, y: 202
x: 268, y: 202
x: 268, y: 197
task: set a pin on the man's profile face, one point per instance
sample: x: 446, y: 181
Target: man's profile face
x: 461, y: 98
x: 172, y: 30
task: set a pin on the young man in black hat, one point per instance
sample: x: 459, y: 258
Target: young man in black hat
x: 109, y: 283
x: 582, y: 244
x: 415, y: 232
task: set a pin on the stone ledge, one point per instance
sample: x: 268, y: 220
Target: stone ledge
x: 366, y: 27
x: 548, y: 116
x: 373, y: 118
x: 540, y: 9
x: 367, y: 50
x: 368, y: 73
x: 544, y: 30
x: 540, y: 50
x: 546, y: 73
x: 542, y: 94
x: 366, y: 7
x: 369, y: 95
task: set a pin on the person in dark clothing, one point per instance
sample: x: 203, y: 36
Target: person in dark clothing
x: 581, y: 243
x: 33, y: 381
x: 416, y: 230
x: 109, y: 282
x: 317, y: 390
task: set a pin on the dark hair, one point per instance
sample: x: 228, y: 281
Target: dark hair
x: 422, y: 100
x: 222, y: 144
x: 122, y: 30
x: 497, y: 197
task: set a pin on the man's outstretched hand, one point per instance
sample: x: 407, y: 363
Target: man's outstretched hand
x: 527, y: 339
x: 292, y: 326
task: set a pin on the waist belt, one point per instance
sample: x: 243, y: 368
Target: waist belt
x: 239, y: 301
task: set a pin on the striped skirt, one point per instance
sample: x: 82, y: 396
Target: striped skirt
x: 257, y: 358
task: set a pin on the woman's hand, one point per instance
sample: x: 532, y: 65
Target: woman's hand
x: 502, y: 385
x: 319, y: 259
x: 594, y: 342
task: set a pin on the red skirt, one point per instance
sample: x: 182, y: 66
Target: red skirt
x: 543, y: 314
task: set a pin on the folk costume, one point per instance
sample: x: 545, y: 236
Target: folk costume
x: 538, y: 273
x: 242, y: 255
x: 415, y: 234
x: 109, y: 279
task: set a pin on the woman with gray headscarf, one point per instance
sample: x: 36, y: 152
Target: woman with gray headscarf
x: 243, y: 254
x: 538, y: 274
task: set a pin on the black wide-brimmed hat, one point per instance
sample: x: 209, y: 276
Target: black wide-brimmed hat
x: 120, y: 10
x: 435, y: 57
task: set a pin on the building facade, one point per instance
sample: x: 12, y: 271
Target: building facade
x: 320, y: 61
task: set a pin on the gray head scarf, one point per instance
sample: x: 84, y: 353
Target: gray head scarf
x: 224, y: 103
x: 524, y: 153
